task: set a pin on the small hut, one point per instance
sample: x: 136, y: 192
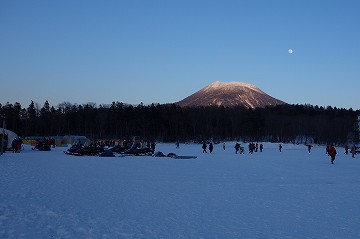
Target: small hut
x: 9, y: 136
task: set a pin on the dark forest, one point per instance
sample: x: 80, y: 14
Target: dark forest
x: 169, y: 123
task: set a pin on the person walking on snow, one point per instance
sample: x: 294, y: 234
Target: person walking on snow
x: 280, y: 147
x: 204, y: 147
x: 332, y: 153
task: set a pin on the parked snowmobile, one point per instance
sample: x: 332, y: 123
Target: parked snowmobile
x: 121, y: 148
x: 138, y: 149
x: 79, y: 150
x: 42, y: 146
x: 73, y: 150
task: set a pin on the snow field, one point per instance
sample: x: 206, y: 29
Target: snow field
x: 292, y: 194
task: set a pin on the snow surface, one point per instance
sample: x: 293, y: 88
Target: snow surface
x: 292, y: 194
x: 231, y: 85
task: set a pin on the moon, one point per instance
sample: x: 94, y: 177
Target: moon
x: 290, y: 51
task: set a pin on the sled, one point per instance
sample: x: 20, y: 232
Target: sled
x: 175, y: 156
x: 184, y: 157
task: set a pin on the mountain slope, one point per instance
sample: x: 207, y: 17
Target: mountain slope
x: 230, y: 94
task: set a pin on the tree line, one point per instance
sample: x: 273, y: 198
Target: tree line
x: 170, y: 122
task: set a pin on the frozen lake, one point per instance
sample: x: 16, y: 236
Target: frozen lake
x: 292, y: 194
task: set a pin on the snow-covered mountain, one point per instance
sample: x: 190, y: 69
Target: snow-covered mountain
x: 230, y: 94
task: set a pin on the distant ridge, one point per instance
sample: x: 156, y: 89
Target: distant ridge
x: 230, y: 94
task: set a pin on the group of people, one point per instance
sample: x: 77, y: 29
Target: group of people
x: 352, y: 150
x: 16, y: 145
x: 238, y: 148
x: 204, y: 147
x: 255, y: 147
x: 330, y: 149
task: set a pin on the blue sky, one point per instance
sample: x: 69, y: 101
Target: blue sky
x: 162, y: 51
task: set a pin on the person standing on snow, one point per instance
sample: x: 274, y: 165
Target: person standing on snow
x: 327, y: 149
x: 19, y: 144
x: 309, y: 148
x: 153, y: 145
x: 211, y: 147
x: 280, y: 147
x: 237, y: 147
x: 353, y: 151
x: 332, y: 153
x: 14, y: 145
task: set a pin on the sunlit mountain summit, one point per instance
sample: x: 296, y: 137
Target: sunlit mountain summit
x: 230, y: 94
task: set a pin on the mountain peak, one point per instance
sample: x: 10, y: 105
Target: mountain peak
x: 230, y: 94
x: 231, y: 85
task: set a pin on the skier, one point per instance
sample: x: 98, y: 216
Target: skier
x: 224, y: 145
x: 332, y: 153
x: 261, y: 147
x: 346, y: 149
x: 204, y: 147
x: 211, y: 147
x: 280, y: 147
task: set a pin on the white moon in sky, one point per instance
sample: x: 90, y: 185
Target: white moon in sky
x: 290, y: 51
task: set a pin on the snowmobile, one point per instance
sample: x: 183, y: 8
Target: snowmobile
x: 42, y: 146
x: 73, y: 150
x: 137, y: 148
x: 120, y: 148
x: 79, y: 150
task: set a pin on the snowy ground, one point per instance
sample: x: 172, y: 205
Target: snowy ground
x: 292, y: 194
